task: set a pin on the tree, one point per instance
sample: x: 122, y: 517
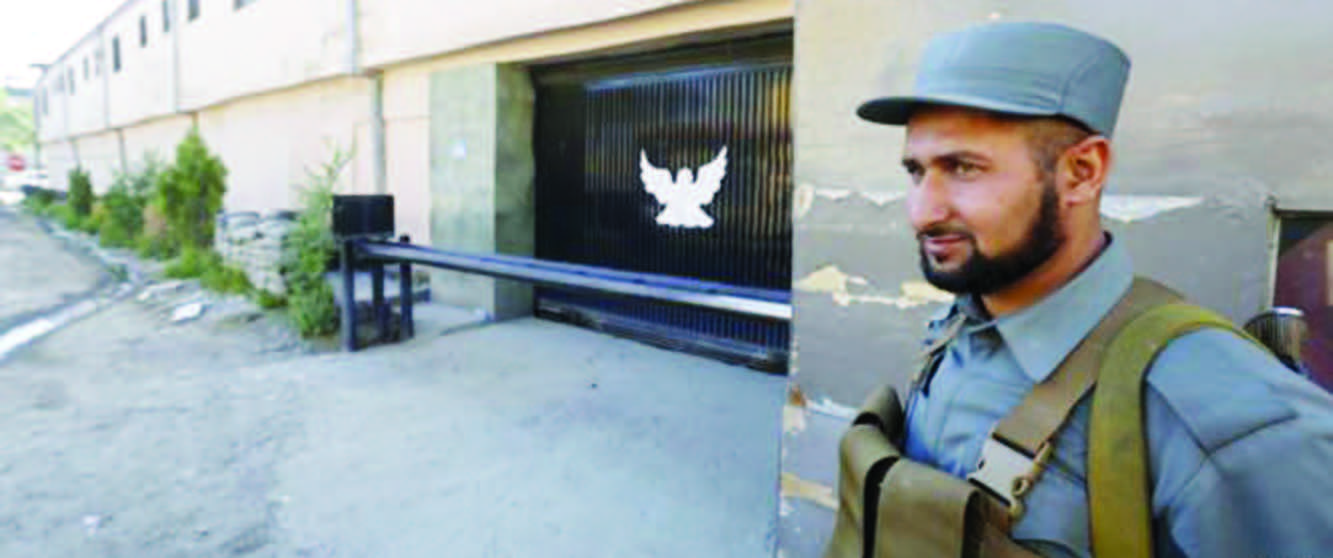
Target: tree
x: 16, y: 126
x: 190, y: 191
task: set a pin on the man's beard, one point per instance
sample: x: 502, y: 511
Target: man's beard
x: 982, y: 274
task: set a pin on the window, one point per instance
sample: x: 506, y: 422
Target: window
x: 193, y: 10
x: 97, y: 61
x: 243, y: 3
x: 87, y: 73
x: 143, y: 31
x: 115, y: 54
x: 166, y: 16
x: 71, y: 80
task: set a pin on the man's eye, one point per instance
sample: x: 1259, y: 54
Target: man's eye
x: 915, y: 172
x: 965, y: 169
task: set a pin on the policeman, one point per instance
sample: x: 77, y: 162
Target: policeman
x: 1008, y: 146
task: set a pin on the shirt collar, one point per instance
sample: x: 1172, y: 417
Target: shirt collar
x: 1041, y: 335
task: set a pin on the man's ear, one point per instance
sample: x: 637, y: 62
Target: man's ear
x: 1083, y: 169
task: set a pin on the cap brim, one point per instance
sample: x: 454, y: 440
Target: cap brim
x: 898, y: 110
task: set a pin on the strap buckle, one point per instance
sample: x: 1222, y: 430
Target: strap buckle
x: 1007, y: 473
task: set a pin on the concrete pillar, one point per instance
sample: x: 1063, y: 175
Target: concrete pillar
x: 481, y: 180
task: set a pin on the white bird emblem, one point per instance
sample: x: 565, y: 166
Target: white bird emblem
x: 685, y: 196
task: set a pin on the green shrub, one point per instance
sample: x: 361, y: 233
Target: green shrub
x: 213, y: 274
x: 122, y: 223
x: 310, y: 246
x: 268, y: 300
x: 93, y: 221
x: 190, y: 265
x: 116, y: 233
x: 152, y: 247
x: 155, y: 241
x: 80, y: 192
x: 222, y: 278
x: 39, y: 202
x: 63, y: 214
x: 189, y: 194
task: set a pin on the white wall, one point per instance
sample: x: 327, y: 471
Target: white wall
x: 407, y: 86
x: 395, y: 30
x: 99, y: 154
x: 53, y: 120
x: 158, y: 137
x: 267, y: 45
x: 258, y: 79
x: 86, y: 108
x: 143, y: 88
x: 59, y: 159
x: 269, y: 141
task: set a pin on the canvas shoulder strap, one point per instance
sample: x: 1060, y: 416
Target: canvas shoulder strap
x: 1114, y: 358
x: 1016, y: 452
x: 1119, y: 496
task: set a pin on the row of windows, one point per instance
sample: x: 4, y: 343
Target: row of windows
x: 65, y: 80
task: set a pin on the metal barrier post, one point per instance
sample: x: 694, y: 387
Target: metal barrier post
x: 348, y: 258
x: 405, y: 295
x: 379, y: 310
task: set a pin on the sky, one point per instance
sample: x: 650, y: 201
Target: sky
x: 39, y: 31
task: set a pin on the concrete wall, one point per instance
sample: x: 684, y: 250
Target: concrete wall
x: 482, y: 180
x: 54, y: 122
x: 86, y: 112
x: 396, y: 30
x: 243, y: 90
x: 224, y: 54
x: 99, y: 154
x: 268, y: 142
x: 145, y: 85
x: 157, y: 138
x: 228, y: 53
x: 407, y: 86
x: 59, y: 158
x: 1221, y: 114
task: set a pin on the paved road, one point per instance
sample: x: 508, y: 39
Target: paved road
x: 37, y: 271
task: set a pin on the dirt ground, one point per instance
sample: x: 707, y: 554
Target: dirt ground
x: 126, y: 434
x: 37, y: 271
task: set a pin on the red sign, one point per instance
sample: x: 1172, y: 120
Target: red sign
x: 16, y: 163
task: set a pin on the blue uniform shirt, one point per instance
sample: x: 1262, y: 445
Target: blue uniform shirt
x: 1240, y: 447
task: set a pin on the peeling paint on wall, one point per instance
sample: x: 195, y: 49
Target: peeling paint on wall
x: 1130, y: 208
x: 831, y: 408
x: 829, y: 279
x: 806, y: 195
x: 793, y: 419
x: 883, y: 198
x: 810, y: 491
x: 793, y: 413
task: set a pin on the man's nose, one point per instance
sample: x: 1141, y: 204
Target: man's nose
x: 928, y: 202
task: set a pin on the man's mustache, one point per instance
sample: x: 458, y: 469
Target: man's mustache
x: 942, y: 230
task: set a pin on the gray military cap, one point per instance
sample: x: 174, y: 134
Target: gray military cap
x: 1021, y: 68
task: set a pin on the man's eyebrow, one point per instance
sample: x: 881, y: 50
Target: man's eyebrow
x: 959, y: 155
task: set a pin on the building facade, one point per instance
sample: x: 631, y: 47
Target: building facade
x: 520, y: 127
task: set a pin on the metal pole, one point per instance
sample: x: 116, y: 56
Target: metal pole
x: 377, y: 139
x: 752, y: 302
x: 349, y: 296
x: 405, y: 295
x: 379, y: 309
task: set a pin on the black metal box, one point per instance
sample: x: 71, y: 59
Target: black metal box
x: 363, y: 216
